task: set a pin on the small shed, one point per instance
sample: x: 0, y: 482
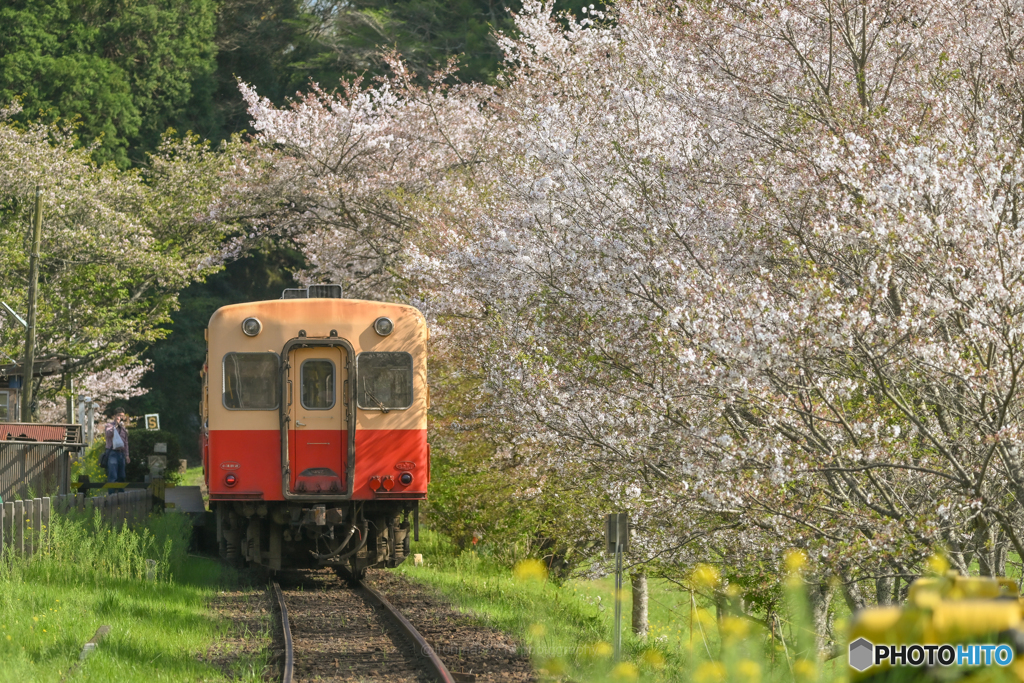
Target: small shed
x: 12, y: 379
x: 36, y: 457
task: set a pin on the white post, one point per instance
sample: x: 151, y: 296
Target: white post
x: 617, y: 636
x: 87, y: 417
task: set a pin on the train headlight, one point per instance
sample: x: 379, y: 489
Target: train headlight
x: 383, y: 326
x: 251, y: 327
x: 405, y: 478
x: 231, y: 480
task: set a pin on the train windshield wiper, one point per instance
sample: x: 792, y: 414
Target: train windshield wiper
x: 369, y: 394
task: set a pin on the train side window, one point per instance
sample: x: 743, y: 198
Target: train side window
x: 317, y: 384
x: 251, y: 381
x: 384, y: 380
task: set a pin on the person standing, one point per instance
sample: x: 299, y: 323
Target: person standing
x: 117, y: 447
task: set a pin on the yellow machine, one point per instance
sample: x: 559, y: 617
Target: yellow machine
x: 944, y: 610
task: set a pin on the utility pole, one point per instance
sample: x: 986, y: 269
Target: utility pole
x: 33, y: 285
x: 69, y: 401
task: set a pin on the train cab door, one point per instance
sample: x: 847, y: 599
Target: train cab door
x: 318, y: 438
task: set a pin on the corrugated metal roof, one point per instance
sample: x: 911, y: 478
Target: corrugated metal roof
x: 45, y: 433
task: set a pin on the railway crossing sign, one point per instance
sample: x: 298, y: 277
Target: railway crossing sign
x: 153, y: 421
x: 616, y: 537
x: 616, y: 532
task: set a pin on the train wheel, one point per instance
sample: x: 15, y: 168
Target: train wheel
x: 356, y: 572
x: 222, y: 543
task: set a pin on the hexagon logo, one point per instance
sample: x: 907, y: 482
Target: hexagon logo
x: 862, y: 654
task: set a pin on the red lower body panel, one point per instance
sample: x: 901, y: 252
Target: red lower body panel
x: 254, y: 457
x: 318, y: 460
x: 391, y: 452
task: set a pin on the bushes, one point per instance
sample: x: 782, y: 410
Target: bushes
x: 140, y: 443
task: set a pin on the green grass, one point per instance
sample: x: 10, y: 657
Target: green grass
x: 193, y: 476
x: 568, y: 627
x: 90, y: 575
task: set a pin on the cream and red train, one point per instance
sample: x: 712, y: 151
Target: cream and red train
x: 315, y: 429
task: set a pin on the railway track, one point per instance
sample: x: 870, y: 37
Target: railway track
x: 334, y: 632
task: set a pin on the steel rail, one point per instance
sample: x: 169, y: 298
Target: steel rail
x: 286, y: 629
x: 436, y: 666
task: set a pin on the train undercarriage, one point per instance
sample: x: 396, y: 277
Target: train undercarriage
x: 354, y: 536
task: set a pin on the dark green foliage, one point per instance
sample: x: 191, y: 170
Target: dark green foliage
x: 174, y: 385
x: 256, y: 42
x: 347, y: 39
x: 125, y: 69
x: 141, y: 443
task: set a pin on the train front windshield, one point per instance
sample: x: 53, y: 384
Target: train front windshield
x: 384, y: 380
x: 251, y: 381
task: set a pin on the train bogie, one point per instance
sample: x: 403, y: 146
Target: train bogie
x: 314, y: 425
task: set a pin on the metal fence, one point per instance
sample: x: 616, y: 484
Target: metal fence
x: 35, y: 458
x: 24, y: 524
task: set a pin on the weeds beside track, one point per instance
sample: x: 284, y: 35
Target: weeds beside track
x: 91, y: 575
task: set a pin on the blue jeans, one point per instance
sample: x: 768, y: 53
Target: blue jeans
x: 115, y: 466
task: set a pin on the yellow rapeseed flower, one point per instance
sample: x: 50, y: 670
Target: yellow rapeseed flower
x: 710, y: 672
x: 602, y: 649
x: 530, y: 570
x: 805, y: 669
x: 734, y: 627
x: 625, y: 671
x: 537, y: 630
x: 796, y: 560
x: 749, y: 670
x: 555, y: 666
x: 938, y: 565
x: 706, y: 576
x: 654, y: 659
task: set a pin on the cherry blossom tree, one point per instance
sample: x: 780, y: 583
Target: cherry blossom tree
x: 344, y: 175
x: 117, y: 245
x: 749, y: 271
x: 103, y: 387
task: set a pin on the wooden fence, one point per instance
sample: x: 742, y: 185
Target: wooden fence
x: 35, y: 457
x: 24, y: 523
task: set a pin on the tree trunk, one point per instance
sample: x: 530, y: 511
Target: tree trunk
x: 1002, y: 545
x: 983, y: 543
x: 883, y: 590
x: 639, y: 582
x: 854, y: 598
x: 819, y: 596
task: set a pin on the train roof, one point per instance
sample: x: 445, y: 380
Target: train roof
x: 290, y: 308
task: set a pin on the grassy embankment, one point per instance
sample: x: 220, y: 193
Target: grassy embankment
x: 90, y: 575
x: 568, y: 627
